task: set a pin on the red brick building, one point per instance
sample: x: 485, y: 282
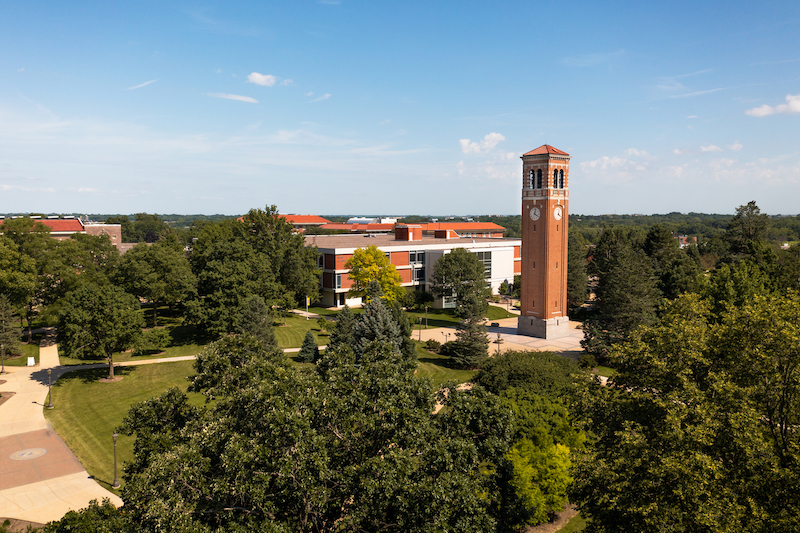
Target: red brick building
x: 413, y: 254
x: 62, y: 228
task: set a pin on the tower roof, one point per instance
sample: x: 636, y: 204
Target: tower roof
x: 546, y: 149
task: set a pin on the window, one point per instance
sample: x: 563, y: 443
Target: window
x: 555, y: 178
x: 561, y: 179
x: 419, y: 274
x: 486, y: 257
x: 338, y: 284
x: 320, y: 261
x: 530, y: 178
x: 539, y: 179
x: 416, y: 257
x: 534, y: 265
x: 556, y: 265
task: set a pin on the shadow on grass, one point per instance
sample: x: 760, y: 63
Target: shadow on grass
x: 89, y: 375
x: 186, y: 334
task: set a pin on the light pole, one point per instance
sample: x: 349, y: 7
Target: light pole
x: 116, y: 478
x: 3, y: 358
x: 498, y: 343
x: 49, y: 391
x: 420, y: 329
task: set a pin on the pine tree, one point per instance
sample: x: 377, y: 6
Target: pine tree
x: 376, y: 324
x: 577, y: 276
x: 257, y: 321
x: 309, y: 352
x: 342, y: 334
x: 471, y: 346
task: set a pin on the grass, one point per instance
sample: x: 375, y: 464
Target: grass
x: 87, y: 411
x: 291, y: 335
x: 28, y: 350
x: 434, y: 367
x: 605, y: 371
x: 577, y: 523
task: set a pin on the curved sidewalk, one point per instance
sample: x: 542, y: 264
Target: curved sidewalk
x: 42, y: 480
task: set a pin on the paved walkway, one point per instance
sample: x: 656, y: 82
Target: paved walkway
x: 40, y: 478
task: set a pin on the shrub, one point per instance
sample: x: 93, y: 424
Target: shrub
x: 433, y: 345
x: 587, y: 360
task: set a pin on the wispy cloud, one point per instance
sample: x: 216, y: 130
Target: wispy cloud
x: 736, y: 146
x: 141, y: 85
x: 323, y: 97
x: 792, y: 105
x: 21, y: 69
x: 696, y: 93
x: 329, y: 2
x: 592, y: 60
x: 236, y: 97
x: 711, y: 148
x: 287, y: 82
x: 267, y: 80
x: 488, y: 144
x: 310, y: 93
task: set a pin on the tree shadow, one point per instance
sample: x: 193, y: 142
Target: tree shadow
x: 89, y: 375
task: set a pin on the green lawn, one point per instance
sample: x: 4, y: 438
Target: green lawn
x: 291, y: 335
x: 434, y: 367
x: 28, y: 350
x: 87, y: 412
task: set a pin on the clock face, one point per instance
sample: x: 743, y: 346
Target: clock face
x: 557, y: 213
x: 535, y: 213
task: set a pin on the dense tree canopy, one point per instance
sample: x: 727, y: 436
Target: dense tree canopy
x: 460, y: 274
x: 97, y: 321
x: 697, y: 431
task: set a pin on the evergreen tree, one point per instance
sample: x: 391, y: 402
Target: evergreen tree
x: 748, y: 225
x: 577, y: 275
x: 309, y: 351
x: 257, y: 321
x: 342, y: 334
x: 9, y: 331
x: 376, y: 324
x: 471, y: 346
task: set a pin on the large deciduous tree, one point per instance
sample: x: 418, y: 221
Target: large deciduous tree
x: 748, y: 225
x: 96, y: 321
x: 159, y: 273
x: 368, y: 265
x: 9, y: 331
x: 461, y: 274
x: 697, y: 431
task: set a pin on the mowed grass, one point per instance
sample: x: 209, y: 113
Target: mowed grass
x: 87, y: 411
x: 28, y: 350
x: 434, y: 367
x: 291, y: 334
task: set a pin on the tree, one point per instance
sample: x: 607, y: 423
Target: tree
x: 461, y: 274
x: 257, y: 321
x: 9, y: 331
x: 354, y: 449
x: 696, y: 431
x: 159, y: 273
x: 577, y: 275
x: 471, y: 346
x: 97, y: 321
x: 627, y: 295
x: 309, y: 351
x: 376, y: 325
x: 369, y: 265
x: 748, y: 225
x: 342, y: 334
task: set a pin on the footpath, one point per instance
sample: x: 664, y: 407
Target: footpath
x: 40, y: 478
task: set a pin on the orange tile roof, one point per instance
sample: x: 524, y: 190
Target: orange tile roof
x: 72, y: 225
x: 546, y: 149
x: 357, y: 227
x: 304, y: 219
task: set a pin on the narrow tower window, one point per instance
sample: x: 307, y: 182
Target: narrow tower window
x: 539, y: 179
x: 530, y: 178
x: 555, y: 178
x: 561, y: 184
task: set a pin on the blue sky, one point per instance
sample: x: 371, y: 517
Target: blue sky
x: 385, y: 107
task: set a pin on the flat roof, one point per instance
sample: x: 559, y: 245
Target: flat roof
x: 385, y: 241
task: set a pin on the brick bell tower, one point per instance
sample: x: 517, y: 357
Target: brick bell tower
x: 545, y: 213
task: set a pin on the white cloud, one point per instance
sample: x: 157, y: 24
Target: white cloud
x: 267, y: 80
x: 677, y: 152
x: 21, y: 69
x: 711, y: 148
x: 735, y: 146
x: 287, y: 82
x: 310, y: 93
x: 692, y: 116
x: 696, y: 93
x: 86, y: 189
x: 488, y: 144
x: 615, y: 169
x: 141, y: 85
x: 634, y: 151
x: 236, y: 97
x: 323, y: 97
x: 792, y: 105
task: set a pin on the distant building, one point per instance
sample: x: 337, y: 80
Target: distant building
x: 684, y: 241
x: 63, y: 228
x: 303, y: 222
x: 413, y: 253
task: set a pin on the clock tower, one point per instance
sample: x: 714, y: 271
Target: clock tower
x: 545, y: 213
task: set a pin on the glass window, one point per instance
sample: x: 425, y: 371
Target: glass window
x: 417, y: 257
x: 486, y: 257
x: 338, y: 284
x: 539, y: 179
x: 320, y: 261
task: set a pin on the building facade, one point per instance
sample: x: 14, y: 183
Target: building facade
x: 413, y: 254
x: 545, y: 222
